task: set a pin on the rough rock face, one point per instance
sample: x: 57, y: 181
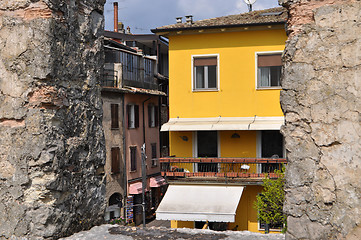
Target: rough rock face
x: 322, y: 105
x: 51, y: 139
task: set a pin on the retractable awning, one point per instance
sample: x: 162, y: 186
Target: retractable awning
x: 157, y: 181
x: 200, y: 203
x: 136, y: 188
x: 223, y: 123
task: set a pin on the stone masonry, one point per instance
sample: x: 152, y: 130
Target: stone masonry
x: 51, y: 140
x: 322, y: 105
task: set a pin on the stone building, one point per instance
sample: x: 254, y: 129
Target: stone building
x: 321, y: 102
x: 51, y: 140
x: 134, y: 68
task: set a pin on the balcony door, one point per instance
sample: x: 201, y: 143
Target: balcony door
x: 270, y: 145
x: 206, y: 145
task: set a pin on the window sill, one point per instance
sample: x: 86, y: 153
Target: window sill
x: 271, y: 230
x: 133, y: 171
x: 269, y: 88
x: 114, y: 128
x: 206, y: 90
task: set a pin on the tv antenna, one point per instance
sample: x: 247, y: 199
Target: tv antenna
x: 249, y: 4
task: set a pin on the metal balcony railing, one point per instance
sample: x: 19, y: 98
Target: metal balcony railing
x: 110, y: 78
x: 221, y: 167
x: 136, y: 70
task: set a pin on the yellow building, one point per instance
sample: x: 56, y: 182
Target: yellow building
x: 225, y: 117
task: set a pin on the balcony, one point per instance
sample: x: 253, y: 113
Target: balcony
x: 254, y: 169
x: 124, y: 68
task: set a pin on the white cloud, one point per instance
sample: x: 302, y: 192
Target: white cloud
x: 143, y: 15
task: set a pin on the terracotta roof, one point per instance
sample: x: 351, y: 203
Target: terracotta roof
x: 127, y: 89
x: 262, y: 17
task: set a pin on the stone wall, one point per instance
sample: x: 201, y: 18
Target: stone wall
x: 51, y: 140
x: 322, y: 105
x: 115, y: 182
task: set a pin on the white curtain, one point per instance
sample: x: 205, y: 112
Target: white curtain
x: 264, y: 77
x: 199, y: 76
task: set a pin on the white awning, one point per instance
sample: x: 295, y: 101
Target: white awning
x: 200, y: 203
x: 223, y: 123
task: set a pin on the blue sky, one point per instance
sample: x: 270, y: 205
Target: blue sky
x: 143, y: 15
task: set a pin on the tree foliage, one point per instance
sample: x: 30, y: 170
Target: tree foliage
x: 269, y: 203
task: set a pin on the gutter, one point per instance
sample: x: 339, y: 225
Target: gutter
x: 215, y: 27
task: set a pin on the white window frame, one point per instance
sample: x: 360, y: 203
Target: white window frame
x: 195, y: 149
x: 206, y: 73
x: 132, y: 116
x: 154, y: 160
x: 259, y: 149
x: 152, y: 116
x: 256, y: 69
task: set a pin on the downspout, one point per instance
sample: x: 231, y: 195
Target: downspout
x: 125, y: 186
x: 144, y: 177
x: 143, y: 119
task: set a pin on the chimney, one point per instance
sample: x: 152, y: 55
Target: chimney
x: 121, y: 27
x: 179, y: 19
x: 115, y: 16
x: 189, y: 19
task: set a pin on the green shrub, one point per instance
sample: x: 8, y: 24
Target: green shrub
x: 269, y: 203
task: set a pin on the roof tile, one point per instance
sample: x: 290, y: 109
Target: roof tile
x: 266, y: 16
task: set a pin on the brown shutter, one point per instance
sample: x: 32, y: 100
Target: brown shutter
x: 128, y: 116
x: 269, y: 60
x: 133, y: 158
x: 205, y: 61
x: 136, y: 114
x: 149, y: 115
x: 115, y: 154
x: 114, y: 108
x: 156, y: 115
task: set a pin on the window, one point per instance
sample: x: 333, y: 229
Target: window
x: 133, y: 116
x: 115, y: 154
x: 114, y: 115
x: 269, y: 70
x: 133, y: 158
x: 207, y: 146
x: 271, y: 147
x: 154, y: 154
x: 152, y: 116
x: 205, y: 73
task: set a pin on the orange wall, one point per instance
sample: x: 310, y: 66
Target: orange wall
x: 134, y: 137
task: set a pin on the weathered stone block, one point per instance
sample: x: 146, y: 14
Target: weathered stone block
x: 51, y: 138
x: 322, y: 113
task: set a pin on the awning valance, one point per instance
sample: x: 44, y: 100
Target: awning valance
x: 200, y: 203
x: 157, y: 181
x: 223, y: 123
x: 136, y: 188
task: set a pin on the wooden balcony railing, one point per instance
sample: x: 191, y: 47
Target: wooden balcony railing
x: 221, y: 167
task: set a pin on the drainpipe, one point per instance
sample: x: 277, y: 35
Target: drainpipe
x: 125, y: 185
x: 144, y: 157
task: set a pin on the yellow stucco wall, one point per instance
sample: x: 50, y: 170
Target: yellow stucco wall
x: 181, y: 224
x: 246, y: 214
x: 237, y: 96
x: 245, y: 146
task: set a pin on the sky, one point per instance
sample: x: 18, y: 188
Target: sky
x: 143, y: 15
